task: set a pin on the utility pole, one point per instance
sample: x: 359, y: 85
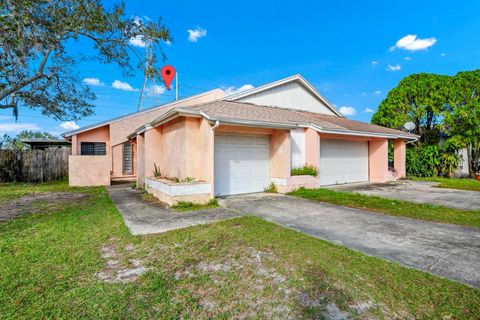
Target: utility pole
x: 147, y: 74
x: 176, y: 87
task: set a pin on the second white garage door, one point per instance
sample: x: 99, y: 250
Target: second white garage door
x: 242, y: 164
x: 343, y: 161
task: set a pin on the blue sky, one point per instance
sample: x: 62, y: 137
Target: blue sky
x: 353, y: 52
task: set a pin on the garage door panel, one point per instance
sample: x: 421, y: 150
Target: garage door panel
x: 343, y: 161
x: 241, y: 164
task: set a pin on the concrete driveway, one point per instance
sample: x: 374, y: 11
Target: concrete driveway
x: 417, y: 191
x: 142, y: 217
x: 445, y: 250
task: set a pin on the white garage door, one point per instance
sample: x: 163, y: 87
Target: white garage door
x: 242, y: 164
x: 343, y: 161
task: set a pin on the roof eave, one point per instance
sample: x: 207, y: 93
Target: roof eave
x: 361, y: 133
x: 107, y: 122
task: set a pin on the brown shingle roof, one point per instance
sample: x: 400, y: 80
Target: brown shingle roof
x: 250, y: 112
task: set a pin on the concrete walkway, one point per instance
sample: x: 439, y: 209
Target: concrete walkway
x: 441, y: 249
x: 142, y: 217
x: 417, y: 191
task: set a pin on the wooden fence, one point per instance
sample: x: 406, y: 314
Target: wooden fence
x: 34, y: 165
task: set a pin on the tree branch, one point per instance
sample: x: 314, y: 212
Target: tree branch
x: 38, y: 75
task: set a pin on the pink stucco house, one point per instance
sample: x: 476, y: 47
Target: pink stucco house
x: 215, y: 144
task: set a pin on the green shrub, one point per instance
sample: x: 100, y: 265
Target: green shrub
x: 423, y: 161
x: 304, y: 171
x: 432, y: 160
x: 272, y: 188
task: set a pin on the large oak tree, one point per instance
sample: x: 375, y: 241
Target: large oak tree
x: 38, y: 71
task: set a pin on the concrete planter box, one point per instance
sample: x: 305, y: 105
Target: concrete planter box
x: 294, y: 182
x: 172, y: 192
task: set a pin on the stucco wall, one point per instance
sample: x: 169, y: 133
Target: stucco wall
x: 140, y: 163
x: 89, y: 170
x: 399, y: 158
x: 378, y: 160
x: 199, y: 149
x: 280, y: 154
x: 153, y: 146
x: 312, y: 148
x: 101, y: 134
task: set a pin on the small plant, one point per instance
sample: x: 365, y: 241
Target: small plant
x: 156, y: 171
x: 272, y: 188
x: 189, y: 179
x: 304, y: 171
x: 190, y: 206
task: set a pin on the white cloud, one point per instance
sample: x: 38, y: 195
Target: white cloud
x: 137, y: 41
x: 407, y: 58
x: 347, y: 111
x: 17, y: 127
x: 155, y: 90
x: 443, y: 54
x: 396, y: 67
x: 368, y: 110
x: 120, y: 85
x: 412, y: 43
x: 93, y: 82
x: 195, y: 34
x: 364, y: 94
x: 378, y: 92
x: 69, y: 125
x: 374, y: 63
x: 232, y: 90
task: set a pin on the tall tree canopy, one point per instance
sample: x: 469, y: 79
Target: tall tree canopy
x: 36, y: 69
x: 438, y: 105
x: 462, y: 117
x: 418, y: 98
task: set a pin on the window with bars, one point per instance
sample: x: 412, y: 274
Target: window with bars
x: 93, y: 148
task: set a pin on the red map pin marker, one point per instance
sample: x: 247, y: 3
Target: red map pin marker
x: 168, y: 73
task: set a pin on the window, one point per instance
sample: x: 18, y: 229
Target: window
x: 127, y: 158
x: 93, y: 148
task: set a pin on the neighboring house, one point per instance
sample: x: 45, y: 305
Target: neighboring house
x: 463, y: 169
x: 45, y: 143
x: 236, y: 144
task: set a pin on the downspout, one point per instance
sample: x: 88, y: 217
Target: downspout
x: 215, y: 126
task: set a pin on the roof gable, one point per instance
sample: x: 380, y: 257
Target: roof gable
x: 292, y: 93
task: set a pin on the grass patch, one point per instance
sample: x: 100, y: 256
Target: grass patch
x: 304, y: 171
x: 272, y: 188
x: 392, y: 207
x: 57, y: 265
x: 190, y: 206
x: 451, y: 183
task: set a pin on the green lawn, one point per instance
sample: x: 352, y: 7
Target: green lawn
x: 68, y: 262
x: 190, y: 206
x: 392, y: 207
x: 451, y: 183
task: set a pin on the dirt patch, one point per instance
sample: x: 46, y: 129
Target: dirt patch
x: 38, y: 203
x: 265, y: 289
x: 118, y: 269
